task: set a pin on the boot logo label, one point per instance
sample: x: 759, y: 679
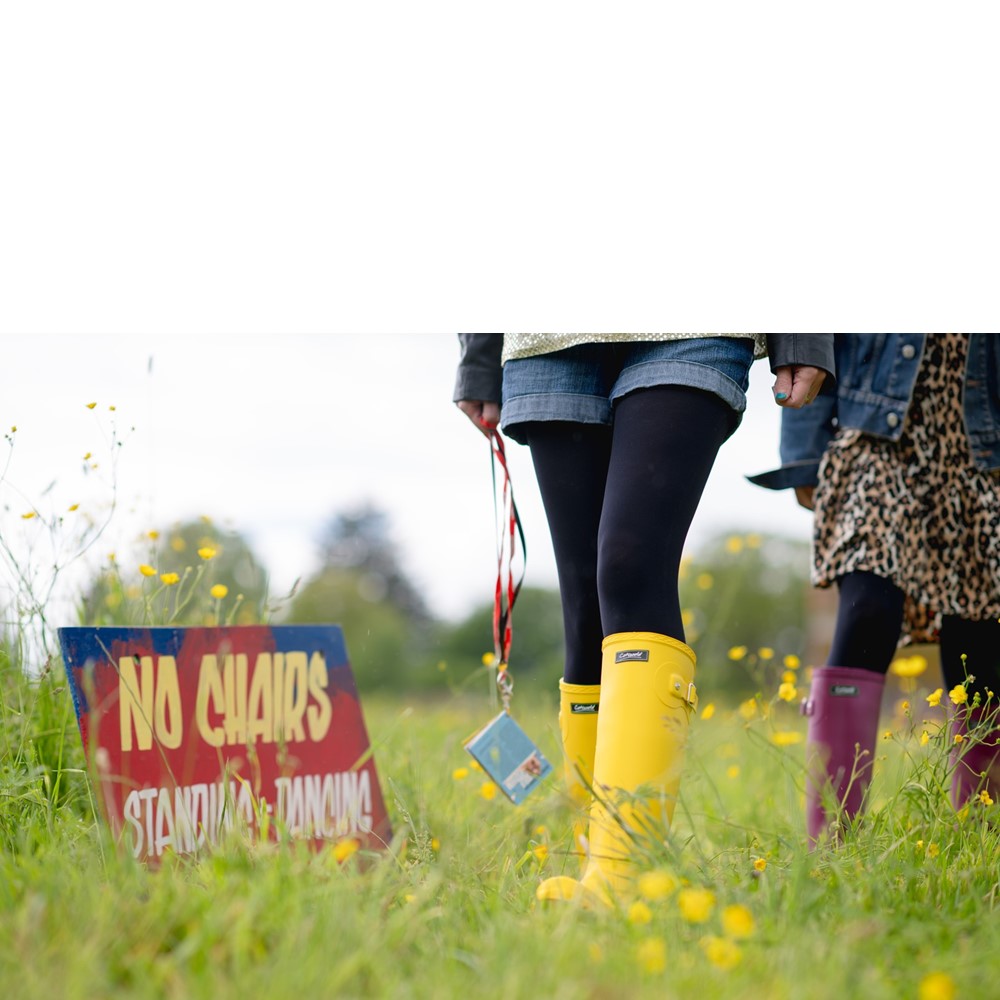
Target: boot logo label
x: 626, y: 655
x: 844, y: 690
x: 583, y: 708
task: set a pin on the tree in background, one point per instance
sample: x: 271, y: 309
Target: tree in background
x: 362, y: 586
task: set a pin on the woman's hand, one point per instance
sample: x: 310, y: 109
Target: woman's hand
x: 486, y: 416
x: 806, y: 496
x: 796, y: 386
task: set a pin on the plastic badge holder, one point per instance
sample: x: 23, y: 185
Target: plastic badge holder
x: 509, y: 756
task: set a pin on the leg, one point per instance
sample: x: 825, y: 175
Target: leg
x: 571, y: 465
x: 846, y: 696
x: 665, y: 441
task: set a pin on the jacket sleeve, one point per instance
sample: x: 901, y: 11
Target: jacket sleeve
x: 815, y: 349
x: 805, y: 433
x: 479, y: 370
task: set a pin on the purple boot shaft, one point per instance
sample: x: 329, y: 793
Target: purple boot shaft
x: 843, y: 710
x: 976, y: 759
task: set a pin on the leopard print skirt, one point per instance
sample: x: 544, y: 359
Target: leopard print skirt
x: 915, y: 511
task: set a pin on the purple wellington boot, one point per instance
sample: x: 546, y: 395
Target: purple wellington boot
x: 843, y: 710
x: 976, y: 766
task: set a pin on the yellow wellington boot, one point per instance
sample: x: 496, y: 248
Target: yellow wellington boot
x: 578, y: 728
x: 647, y: 697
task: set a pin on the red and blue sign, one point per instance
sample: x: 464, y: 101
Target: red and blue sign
x: 193, y: 732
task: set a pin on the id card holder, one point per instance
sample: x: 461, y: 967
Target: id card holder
x: 509, y: 756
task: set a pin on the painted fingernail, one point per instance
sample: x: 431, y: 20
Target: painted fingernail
x: 781, y: 395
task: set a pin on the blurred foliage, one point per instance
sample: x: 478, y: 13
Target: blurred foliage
x: 743, y: 598
x: 537, y: 646
x: 202, y: 556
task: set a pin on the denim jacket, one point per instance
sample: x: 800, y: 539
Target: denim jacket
x: 876, y: 373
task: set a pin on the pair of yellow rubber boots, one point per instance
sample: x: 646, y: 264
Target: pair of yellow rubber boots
x: 623, y: 745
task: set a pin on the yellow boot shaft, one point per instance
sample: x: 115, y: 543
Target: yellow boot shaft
x: 578, y: 707
x: 647, y: 698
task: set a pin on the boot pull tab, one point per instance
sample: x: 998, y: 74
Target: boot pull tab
x: 669, y: 686
x: 807, y: 706
x: 685, y: 690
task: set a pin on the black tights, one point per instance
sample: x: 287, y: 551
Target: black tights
x: 619, y: 502
x: 869, y: 617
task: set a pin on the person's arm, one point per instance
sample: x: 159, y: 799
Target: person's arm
x: 805, y: 433
x: 477, y: 382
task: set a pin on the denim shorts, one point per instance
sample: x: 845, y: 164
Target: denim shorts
x: 582, y: 384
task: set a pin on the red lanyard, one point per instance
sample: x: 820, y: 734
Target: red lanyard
x: 509, y: 530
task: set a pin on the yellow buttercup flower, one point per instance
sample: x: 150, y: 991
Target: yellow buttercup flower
x: 152, y: 535
x: 73, y: 506
x: 488, y: 659
x: 737, y: 921
x: 734, y: 544
x: 748, y: 709
x: 785, y: 738
x: 696, y: 904
x: 789, y: 677
x: 343, y: 849
x: 704, y: 581
x: 219, y: 591
x: 169, y: 579
x: 90, y: 406
x: 792, y: 662
x: 937, y: 986
x: 787, y: 691
x: 765, y: 653
x: 541, y: 852
x: 759, y: 864
x: 652, y: 955
x: 459, y: 773
x: 958, y: 694
x: 933, y: 850
x: 657, y: 885
x: 207, y: 552
x: 733, y: 771
x: 488, y: 790
x: 737, y: 652
x: 146, y: 570
x: 934, y: 698
x: 924, y: 738
x: 28, y: 516
x: 687, y: 617
x: 722, y: 953
x: 908, y: 666
x: 708, y: 711
x: 959, y: 738
x: 639, y: 913
x: 984, y: 797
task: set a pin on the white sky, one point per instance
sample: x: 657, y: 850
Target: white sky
x: 273, y: 435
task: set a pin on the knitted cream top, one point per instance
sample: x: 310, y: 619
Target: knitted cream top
x: 526, y: 345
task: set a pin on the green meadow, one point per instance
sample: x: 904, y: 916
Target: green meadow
x: 732, y: 904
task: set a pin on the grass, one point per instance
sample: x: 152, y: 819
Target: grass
x: 450, y: 910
